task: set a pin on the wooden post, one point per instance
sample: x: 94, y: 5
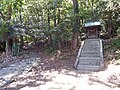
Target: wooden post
x: 7, y: 48
x: 15, y: 47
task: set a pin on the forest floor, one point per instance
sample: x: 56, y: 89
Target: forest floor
x: 59, y: 74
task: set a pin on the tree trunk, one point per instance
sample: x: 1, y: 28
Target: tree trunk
x: 76, y: 24
x: 49, y: 35
x: 75, y: 40
x: 21, y: 36
x: 7, y: 49
x: 58, y: 16
x: 21, y: 41
x: 54, y: 13
x: 58, y: 21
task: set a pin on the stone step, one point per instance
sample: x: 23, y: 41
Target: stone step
x: 90, y: 52
x: 89, y: 61
x: 89, y: 42
x: 92, y: 43
x: 90, y: 49
x: 92, y: 39
x: 89, y: 55
x: 93, y: 63
x: 88, y: 67
x: 92, y: 46
x: 89, y: 58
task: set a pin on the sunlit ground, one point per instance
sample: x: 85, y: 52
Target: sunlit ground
x: 64, y: 79
x: 60, y: 75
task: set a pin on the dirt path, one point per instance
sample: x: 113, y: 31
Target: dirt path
x: 9, y: 73
x: 53, y: 74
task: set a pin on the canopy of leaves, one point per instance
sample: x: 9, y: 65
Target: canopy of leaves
x: 53, y: 17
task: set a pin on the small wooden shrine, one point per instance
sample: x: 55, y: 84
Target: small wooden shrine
x: 92, y: 29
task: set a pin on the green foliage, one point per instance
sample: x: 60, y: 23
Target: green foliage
x: 114, y: 48
x: 3, y: 29
x: 115, y: 44
x: 51, y: 49
x: 39, y: 17
x: 118, y: 31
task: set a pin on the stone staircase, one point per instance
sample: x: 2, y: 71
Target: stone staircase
x: 90, y: 55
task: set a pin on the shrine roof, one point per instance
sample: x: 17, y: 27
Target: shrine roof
x: 89, y: 24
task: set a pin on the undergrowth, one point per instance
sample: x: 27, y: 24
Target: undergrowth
x: 115, y: 44
x: 114, y: 47
x: 51, y: 49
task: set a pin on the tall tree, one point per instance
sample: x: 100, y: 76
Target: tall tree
x: 76, y: 24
